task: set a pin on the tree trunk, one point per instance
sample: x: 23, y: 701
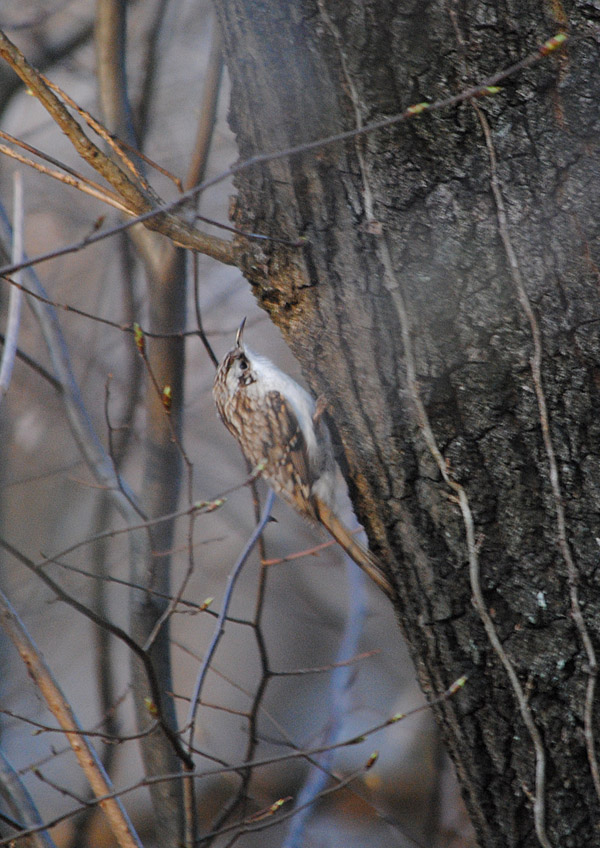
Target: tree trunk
x: 412, y: 287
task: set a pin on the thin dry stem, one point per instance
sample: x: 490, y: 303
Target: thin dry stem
x: 99, y: 129
x: 86, y: 188
x: 137, y: 196
x: 266, y: 761
x: 154, y: 685
x: 223, y: 251
x: 77, y: 180
x: 59, y: 707
x: 14, y: 307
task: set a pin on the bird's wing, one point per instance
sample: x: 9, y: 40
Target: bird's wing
x: 287, y: 454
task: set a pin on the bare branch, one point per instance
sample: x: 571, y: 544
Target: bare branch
x: 116, y: 738
x: 153, y: 681
x: 339, y: 704
x: 140, y: 199
x: 151, y: 62
x: 265, y: 761
x: 69, y: 177
x: 14, y: 306
x: 90, y: 764
x: 46, y: 56
x: 86, y: 148
x: 21, y: 804
x: 81, y: 426
x: 226, y: 252
x: 35, y: 366
x: 219, y: 629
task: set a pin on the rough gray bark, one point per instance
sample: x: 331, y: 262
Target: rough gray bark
x: 310, y: 68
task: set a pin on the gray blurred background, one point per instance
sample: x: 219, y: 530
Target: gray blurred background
x: 50, y: 500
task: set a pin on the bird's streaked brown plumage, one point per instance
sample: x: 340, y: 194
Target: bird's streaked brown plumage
x: 279, y: 425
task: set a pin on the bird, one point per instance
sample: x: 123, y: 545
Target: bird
x: 280, y: 429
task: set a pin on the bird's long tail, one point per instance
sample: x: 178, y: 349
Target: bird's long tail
x: 361, y: 556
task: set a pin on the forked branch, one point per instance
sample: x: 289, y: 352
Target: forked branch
x: 138, y: 198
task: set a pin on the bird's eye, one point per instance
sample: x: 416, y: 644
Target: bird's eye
x: 243, y: 363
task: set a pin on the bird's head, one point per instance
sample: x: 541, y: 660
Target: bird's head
x: 236, y: 368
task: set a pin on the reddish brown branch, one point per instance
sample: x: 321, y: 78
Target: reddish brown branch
x: 60, y: 708
x: 139, y: 199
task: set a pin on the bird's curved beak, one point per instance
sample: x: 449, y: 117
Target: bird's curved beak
x: 238, y: 337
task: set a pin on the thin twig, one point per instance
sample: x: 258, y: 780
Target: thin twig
x: 66, y: 174
x: 109, y: 169
x: 77, y: 416
x: 201, y: 507
x: 111, y: 140
x: 299, y: 242
x: 46, y: 55
x: 220, y: 628
x: 199, y: 160
x: 193, y: 607
x: 132, y: 188
x: 340, y: 684
x: 19, y: 801
x: 305, y: 552
x: 257, y: 698
x: 91, y: 766
x: 266, y: 761
x: 151, y: 52
x: 119, y: 633
x: 14, y: 307
x: 321, y: 669
x: 58, y: 752
x: 486, y: 88
x: 43, y: 761
x: 164, y: 397
x: 242, y: 828
x: 124, y: 327
x: 67, y: 793
x: 116, y: 738
x: 35, y: 366
x: 111, y: 452
x: 200, y: 327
